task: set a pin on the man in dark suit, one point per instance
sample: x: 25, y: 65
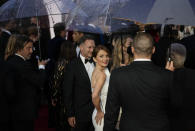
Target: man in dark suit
x: 33, y: 34
x: 5, y: 34
x: 141, y: 89
x: 6, y: 95
x: 170, y: 35
x: 188, y: 42
x: 77, y: 88
x: 77, y: 35
x: 183, y: 90
x: 27, y: 81
x: 55, y: 43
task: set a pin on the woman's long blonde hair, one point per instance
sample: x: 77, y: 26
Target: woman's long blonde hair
x: 117, y: 51
x: 10, y: 49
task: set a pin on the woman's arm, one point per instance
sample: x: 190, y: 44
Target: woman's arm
x: 96, y: 96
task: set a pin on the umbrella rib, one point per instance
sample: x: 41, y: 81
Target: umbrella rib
x: 57, y: 6
x: 50, y: 12
x: 49, y: 2
x: 107, y: 12
x: 18, y: 15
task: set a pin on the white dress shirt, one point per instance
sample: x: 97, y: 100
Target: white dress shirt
x: 7, y: 31
x: 77, y: 50
x: 88, y: 66
x: 20, y: 56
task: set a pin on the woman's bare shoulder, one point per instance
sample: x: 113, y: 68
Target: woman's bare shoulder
x: 100, y: 75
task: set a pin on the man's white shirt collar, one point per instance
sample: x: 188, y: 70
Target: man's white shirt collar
x: 20, y: 56
x: 88, y: 66
x: 82, y: 58
x: 142, y: 60
x: 7, y: 31
x: 40, y: 66
x: 77, y: 50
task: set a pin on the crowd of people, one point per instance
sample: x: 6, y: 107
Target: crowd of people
x: 137, y: 82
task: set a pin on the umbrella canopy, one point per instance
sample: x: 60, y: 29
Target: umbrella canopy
x: 192, y: 3
x: 97, y: 12
x: 27, y: 8
x: 97, y: 8
x: 88, y: 28
x: 102, y: 12
x: 179, y: 12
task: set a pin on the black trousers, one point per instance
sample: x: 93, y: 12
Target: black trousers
x: 84, y: 126
x: 22, y: 125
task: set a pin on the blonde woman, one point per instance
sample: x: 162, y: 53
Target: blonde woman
x: 117, y: 56
x: 119, y: 47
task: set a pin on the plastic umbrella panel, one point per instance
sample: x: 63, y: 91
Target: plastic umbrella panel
x: 159, y: 11
x: 97, y: 12
x: 27, y: 8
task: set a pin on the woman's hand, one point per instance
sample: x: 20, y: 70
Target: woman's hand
x: 53, y: 102
x: 99, y: 117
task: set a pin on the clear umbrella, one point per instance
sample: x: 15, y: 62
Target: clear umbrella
x: 13, y: 9
x: 192, y: 3
x: 18, y: 9
x: 98, y: 12
x: 179, y: 12
x: 103, y: 12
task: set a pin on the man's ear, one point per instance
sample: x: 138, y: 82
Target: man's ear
x: 94, y: 59
x: 81, y: 34
x: 132, y: 49
x: 81, y: 46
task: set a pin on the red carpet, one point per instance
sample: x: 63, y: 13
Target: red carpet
x: 41, y: 124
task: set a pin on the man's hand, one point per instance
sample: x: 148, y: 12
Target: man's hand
x: 72, y: 121
x: 169, y: 66
x: 43, y: 62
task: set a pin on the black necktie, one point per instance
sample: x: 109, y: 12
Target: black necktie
x: 88, y: 60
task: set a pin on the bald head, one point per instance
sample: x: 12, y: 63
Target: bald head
x: 143, y: 45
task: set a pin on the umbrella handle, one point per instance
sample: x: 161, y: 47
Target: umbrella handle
x: 38, y: 28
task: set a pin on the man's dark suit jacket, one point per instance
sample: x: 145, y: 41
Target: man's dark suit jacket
x: 53, y: 50
x: 3, y: 43
x: 54, y: 47
x: 188, y: 42
x: 141, y: 89
x: 6, y: 91
x: 183, y: 100
x: 77, y: 92
x: 27, y: 81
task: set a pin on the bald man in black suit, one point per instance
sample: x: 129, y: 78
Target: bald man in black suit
x: 141, y: 89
